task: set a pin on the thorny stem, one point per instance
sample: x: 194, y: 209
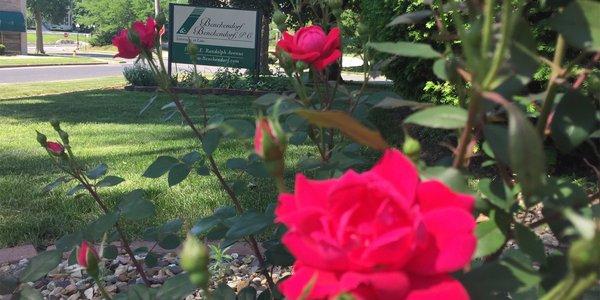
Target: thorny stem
x: 214, y: 167
x: 124, y: 241
x: 465, y: 137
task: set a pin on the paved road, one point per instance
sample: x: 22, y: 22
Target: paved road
x: 38, y: 74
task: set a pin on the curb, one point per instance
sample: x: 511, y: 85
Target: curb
x: 206, y: 91
x: 53, y: 65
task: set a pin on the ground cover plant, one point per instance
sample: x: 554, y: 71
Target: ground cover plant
x: 400, y: 228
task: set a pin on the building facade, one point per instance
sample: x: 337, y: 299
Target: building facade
x: 13, y: 34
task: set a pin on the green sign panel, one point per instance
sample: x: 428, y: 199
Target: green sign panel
x: 12, y: 21
x: 225, y: 37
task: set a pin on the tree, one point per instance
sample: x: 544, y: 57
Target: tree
x: 50, y: 10
x: 108, y: 16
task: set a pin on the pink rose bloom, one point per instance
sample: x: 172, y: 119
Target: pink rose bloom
x: 83, y: 254
x: 312, y: 46
x: 147, y: 32
x: 55, y: 148
x: 382, y: 234
x: 126, y: 48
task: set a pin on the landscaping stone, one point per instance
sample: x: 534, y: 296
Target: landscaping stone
x: 10, y: 255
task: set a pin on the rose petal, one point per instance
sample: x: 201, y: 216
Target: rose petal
x: 380, y: 285
x: 434, y: 194
x: 451, y: 243
x: 436, y: 288
x: 318, y: 253
x: 334, y: 40
x: 305, y: 57
x: 325, y: 285
x: 400, y: 171
x: 321, y: 64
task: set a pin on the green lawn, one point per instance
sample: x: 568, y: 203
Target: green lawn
x: 52, y: 38
x: 6, y: 61
x: 104, y: 125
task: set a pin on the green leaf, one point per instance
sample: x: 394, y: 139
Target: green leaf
x: 135, y: 206
x: 160, y: 166
x: 216, y: 120
x: 406, y: 49
x: 579, y: 24
x: 203, y: 170
x: 204, y: 225
x: 574, y: 121
x: 491, y: 280
x: 443, y: 116
x: 97, y: 172
x: 247, y: 224
x: 278, y: 255
x: 347, y: 125
x: 40, y: 265
x: 497, y: 138
x: 439, y: 69
x: 29, y: 293
x: 269, y: 99
x: 391, y: 103
x: 530, y: 243
x: 178, y: 173
x: 74, y: 190
x: 109, y: 181
x: 497, y: 193
x: 242, y: 128
x: 247, y: 293
x: 148, y: 104
x: 170, y: 242
x: 224, y: 292
x: 192, y: 158
x: 110, y: 252
x: 138, y: 292
x: 236, y: 163
x: 176, y: 288
x: 490, y: 238
x: 56, y: 183
x: 452, y: 177
x: 8, y: 284
x: 151, y: 260
x: 586, y: 227
x: 211, y: 141
x: 96, y: 230
x: 68, y: 241
x: 411, y: 17
x: 526, y: 151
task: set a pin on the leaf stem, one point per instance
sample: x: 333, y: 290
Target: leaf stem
x: 559, y: 54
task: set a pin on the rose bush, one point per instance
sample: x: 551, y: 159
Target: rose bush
x: 382, y: 234
x: 313, y: 46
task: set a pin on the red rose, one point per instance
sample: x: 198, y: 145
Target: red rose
x: 312, y: 46
x: 86, y: 255
x: 55, y: 148
x: 382, y: 234
x: 147, y: 32
x: 127, y: 49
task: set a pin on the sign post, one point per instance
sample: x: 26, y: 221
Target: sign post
x: 226, y: 37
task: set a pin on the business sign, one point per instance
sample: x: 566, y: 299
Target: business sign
x: 225, y: 37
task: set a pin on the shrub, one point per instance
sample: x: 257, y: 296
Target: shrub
x: 102, y: 38
x: 191, y: 79
x: 2, y: 49
x: 139, y: 75
x: 228, y: 79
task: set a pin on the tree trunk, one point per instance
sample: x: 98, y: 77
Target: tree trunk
x: 264, y: 45
x: 39, y: 38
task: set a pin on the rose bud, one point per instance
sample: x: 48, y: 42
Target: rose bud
x: 55, y: 124
x: 41, y: 138
x: 55, y: 148
x: 194, y: 260
x: 267, y: 140
x: 412, y: 148
x: 285, y: 61
x: 87, y: 257
x: 192, y: 50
